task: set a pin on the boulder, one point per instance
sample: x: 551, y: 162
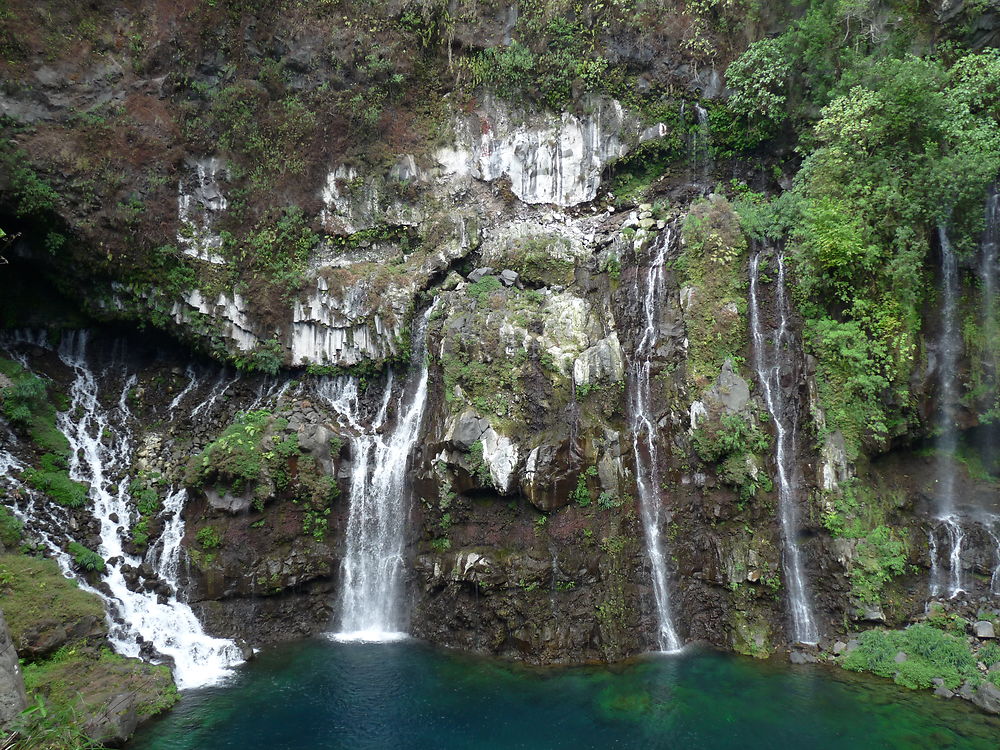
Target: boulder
x: 984, y: 629
x: 987, y: 697
x: 508, y: 277
x: 480, y: 273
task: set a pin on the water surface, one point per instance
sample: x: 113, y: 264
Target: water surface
x: 319, y: 694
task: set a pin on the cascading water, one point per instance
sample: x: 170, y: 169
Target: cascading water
x: 100, y: 443
x: 768, y: 354
x: 379, y: 502
x: 988, y: 258
x: 947, y: 579
x: 645, y: 445
x: 701, y: 159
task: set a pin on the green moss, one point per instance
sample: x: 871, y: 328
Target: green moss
x: 34, y: 590
x: 30, y: 405
x: 711, y: 264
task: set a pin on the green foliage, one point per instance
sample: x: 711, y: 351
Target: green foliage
x: 266, y: 357
x: 879, y: 556
x: 236, y: 453
x: 634, y: 173
x: 930, y: 653
x: 858, y: 512
x: 989, y: 654
x: 10, y: 529
x: 208, y: 538
x: 477, y: 465
x: 609, y: 501
x: 483, y: 288
x: 733, y: 434
x: 276, y: 251
x: 581, y: 494
x: 733, y: 443
x: 41, y: 727
x: 147, y: 503
x: 85, y: 558
x: 52, y: 478
x: 28, y: 405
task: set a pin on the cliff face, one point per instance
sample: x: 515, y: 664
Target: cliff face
x: 286, y: 192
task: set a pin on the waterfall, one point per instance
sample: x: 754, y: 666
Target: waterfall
x: 701, y: 158
x: 101, y: 450
x: 769, y: 354
x: 645, y: 444
x: 988, y: 279
x: 379, y: 500
x: 947, y: 580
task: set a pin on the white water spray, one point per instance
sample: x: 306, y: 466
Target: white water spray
x: 768, y: 352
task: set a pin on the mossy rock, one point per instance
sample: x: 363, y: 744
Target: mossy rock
x: 108, y: 695
x: 44, y: 609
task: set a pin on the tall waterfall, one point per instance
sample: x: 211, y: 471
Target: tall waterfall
x: 947, y: 580
x: 101, y: 452
x: 770, y: 353
x: 643, y: 422
x: 379, y: 501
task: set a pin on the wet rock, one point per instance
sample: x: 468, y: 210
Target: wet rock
x: 987, y: 697
x: 900, y: 657
x: 839, y: 647
x: 802, y: 657
x: 228, y: 502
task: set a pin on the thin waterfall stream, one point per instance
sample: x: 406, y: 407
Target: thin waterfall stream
x: 947, y: 536
x: 769, y: 353
x: 650, y: 292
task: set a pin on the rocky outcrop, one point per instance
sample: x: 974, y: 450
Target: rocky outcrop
x: 13, y: 699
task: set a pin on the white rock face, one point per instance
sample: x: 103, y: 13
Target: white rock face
x: 353, y: 202
x: 548, y: 158
x: 199, y: 204
x: 570, y: 328
x: 340, y: 327
x: 601, y: 363
x: 230, y: 312
x: 500, y: 455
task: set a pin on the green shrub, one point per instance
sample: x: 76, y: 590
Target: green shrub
x: 10, y: 529
x: 930, y: 653
x: 485, y: 286
x: 208, y: 538
x: 85, y: 558
x: 581, y: 493
x: 53, y: 479
x: 236, y: 453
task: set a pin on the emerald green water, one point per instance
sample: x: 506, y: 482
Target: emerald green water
x: 323, y: 695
